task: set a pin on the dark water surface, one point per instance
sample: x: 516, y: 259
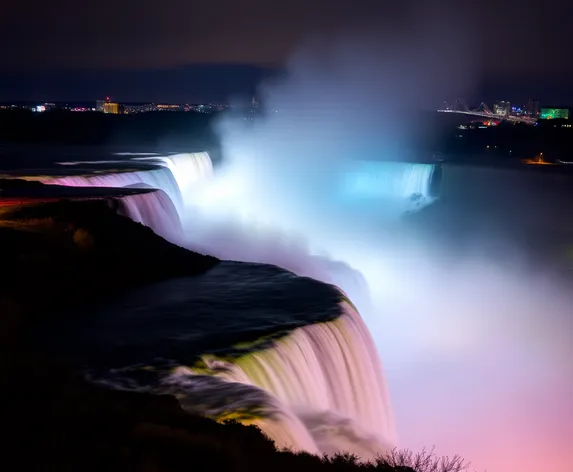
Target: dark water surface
x: 172, y: 322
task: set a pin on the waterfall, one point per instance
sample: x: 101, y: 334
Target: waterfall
x: 174, y: 177
x: 178, y: 175
x: 159, y: 178
x: 153, y: 209
x: 188, y: 169
x: 385, y: 190
x: 327, y: 375
x: 319, y: 388
x: 396, y: 180
x: 222, y: 400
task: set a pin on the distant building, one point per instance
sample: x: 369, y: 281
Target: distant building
x: 554, y: 114
x: 532, y: 108
x: 168, y: 107
x: 502, y: 108
x: 45, y: 107
x: 200, y: 108
x: 100, y: 104
x: 111, y: 108
x: 140, y: 108
x: 107, y: 106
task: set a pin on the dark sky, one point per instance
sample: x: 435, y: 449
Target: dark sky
x: 186, y: 49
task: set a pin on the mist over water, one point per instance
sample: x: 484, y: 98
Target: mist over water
x: 342, y: 100
x: 477, y: 351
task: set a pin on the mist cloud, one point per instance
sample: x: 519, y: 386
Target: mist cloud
x: 477, y: 351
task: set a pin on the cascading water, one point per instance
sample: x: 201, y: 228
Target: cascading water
x: 218, y: 399
x: 153, y: 209
x: 319, y: 389
x: 186, y: 171
x: 189, y: 169
x: 159, y: 178
x: 389, y: 180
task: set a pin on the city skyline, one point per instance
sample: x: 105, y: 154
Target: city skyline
x: 192, y: 52
x: 221, y: 83
x: 530, y: 107
x: 245, y: 89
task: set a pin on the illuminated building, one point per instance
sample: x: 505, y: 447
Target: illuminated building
x: 44, y: 107
x: 142, y: 108
x: 163, y: 107
x: 554, y: 113
x: 100, y: 104
x: 112, y: 108
x: 502, y: 108
x: 537, y: 160
x: 109, y: 107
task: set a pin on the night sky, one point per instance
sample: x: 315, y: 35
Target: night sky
x: 186, y: 50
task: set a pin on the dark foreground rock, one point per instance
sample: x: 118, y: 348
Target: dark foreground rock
x: 64, y: 425
x: 62, y: 255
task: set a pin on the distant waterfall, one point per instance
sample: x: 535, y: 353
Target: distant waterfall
x: 415, y: 184
x: 327, y: 374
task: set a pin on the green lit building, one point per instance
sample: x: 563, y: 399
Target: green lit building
x: 554, y: 113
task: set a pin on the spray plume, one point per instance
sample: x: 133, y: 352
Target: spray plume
x: 478, y: 353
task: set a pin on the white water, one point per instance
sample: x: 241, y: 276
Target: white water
x: 328, y: 381
x: 155, y: 210
x: 189, y: 169
x: 218, y: 399
x: 160, y: 178
x: 186, y: 172
x: 392, y: 180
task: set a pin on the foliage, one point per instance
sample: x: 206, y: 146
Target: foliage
x: 425, y: 461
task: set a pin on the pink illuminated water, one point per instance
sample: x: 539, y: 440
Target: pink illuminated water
x: 153, y: 209
x: 159, y: 178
